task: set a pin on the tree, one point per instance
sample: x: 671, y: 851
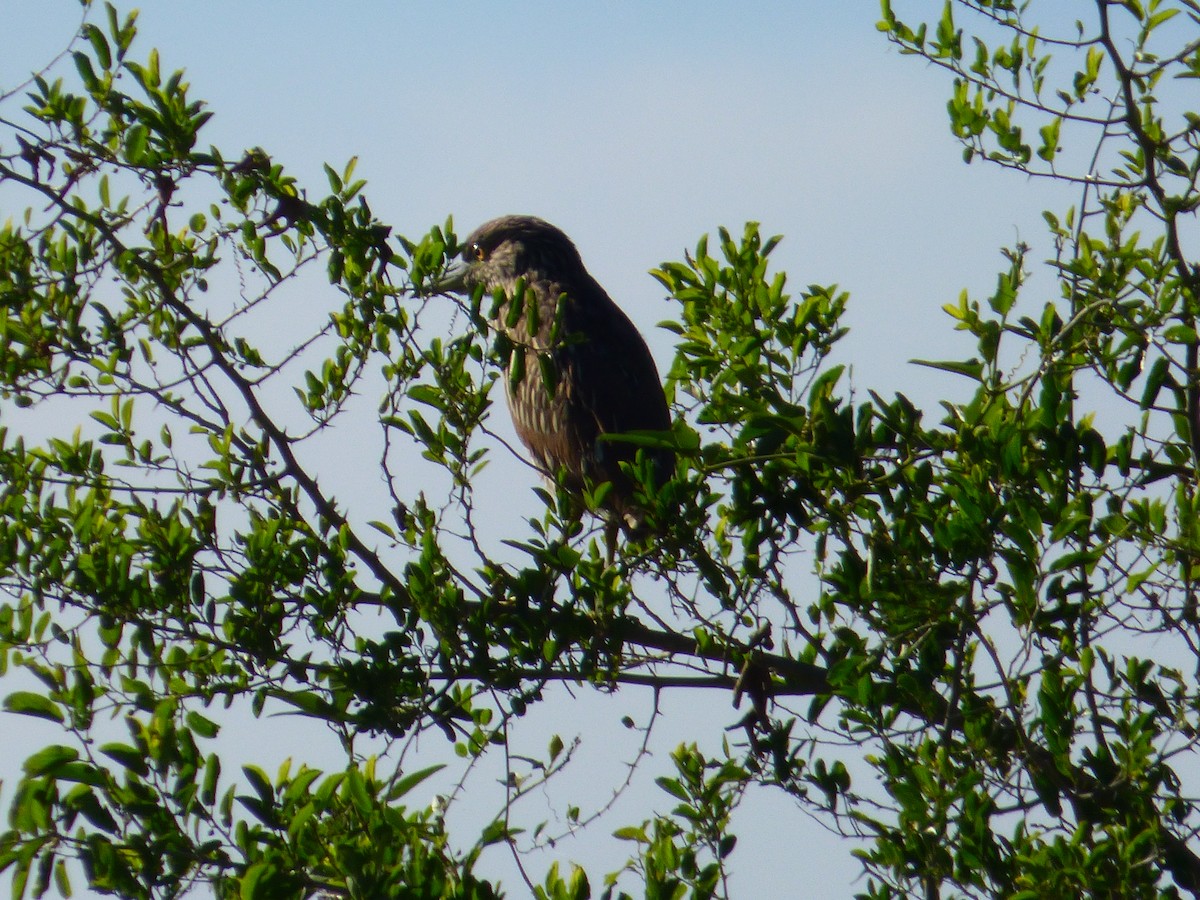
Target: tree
x: 995, y: 611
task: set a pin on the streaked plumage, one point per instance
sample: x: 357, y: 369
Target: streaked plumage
x: 586, y: 370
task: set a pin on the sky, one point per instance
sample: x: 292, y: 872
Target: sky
x: 636, y: 128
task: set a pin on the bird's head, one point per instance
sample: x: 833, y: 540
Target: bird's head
x: 503, y: 250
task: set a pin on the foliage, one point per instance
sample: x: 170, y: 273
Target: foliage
x: 993, y: 614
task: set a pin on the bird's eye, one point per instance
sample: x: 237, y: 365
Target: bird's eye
x: 478, y: 252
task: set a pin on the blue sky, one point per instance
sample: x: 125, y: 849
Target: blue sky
x: 636, y: 128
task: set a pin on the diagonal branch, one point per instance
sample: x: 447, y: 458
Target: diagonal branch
x: 212, y: 339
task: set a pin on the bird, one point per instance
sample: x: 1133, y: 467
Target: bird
x: 579, y: 370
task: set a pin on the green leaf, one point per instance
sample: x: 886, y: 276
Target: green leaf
x: 335, y: 182
x: 632, y: 833
x: 129, y: 757
x: 403, y: 785
x: 383, y: 528
x: 26, y: 703
x: 429, y: 395
x: 259, y: 782
x: 257, y: 881
x: 206, y: 728
x: 136, y: 141
x: 212, y: 774
x: 1049, y: 134
x: 1181, y: 334
x: 84, y: 66
x: 673, y: 787
x: 99, y: 45
x: 971, y: 368
x: 49, y: 759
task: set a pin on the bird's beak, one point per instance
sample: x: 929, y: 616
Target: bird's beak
x: 452, y: 281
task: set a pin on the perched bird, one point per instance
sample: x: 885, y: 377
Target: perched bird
x: 578, y: 368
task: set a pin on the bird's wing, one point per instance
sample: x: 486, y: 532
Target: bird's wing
x: 614, y: 383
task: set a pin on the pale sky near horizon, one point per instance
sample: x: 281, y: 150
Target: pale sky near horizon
x: 636, y: 128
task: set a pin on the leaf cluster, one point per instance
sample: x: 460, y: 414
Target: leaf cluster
x: 964, y: 638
